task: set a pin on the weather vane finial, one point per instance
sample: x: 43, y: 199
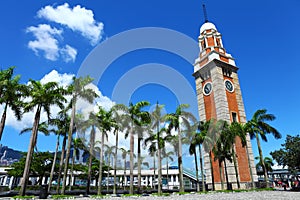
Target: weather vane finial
x: 205, y: 13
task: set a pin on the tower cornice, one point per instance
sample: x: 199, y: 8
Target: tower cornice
x: 203, y: 71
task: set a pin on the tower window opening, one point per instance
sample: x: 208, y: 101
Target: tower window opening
x: 218, y: 41
x: 203, y: 44
x: 234, y: 116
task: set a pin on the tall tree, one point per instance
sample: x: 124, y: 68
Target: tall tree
x: 157, y: 118
x: 258, y: 128
x: 61, y: 122
x: 268, y: 162
x: 42, y: 128
x: 168, y: 156
x: 222, y: 152
x: 138, y: 118
x: 109, y: 153
x: 106, y: 123
x: 79, y: 90
x: 120, y: 124
x: 11, y: 95
x: 124, y: 156
x: 289, y: 154
x: 83, y: 125
x: 78, y: 145
x: 178, y: 120
x: 42, y: 97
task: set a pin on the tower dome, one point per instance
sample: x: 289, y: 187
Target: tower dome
x: 207, y: 26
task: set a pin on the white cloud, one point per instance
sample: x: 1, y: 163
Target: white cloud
x: 77, y: 19
x: 68, y: 53
x: 62, y: 79
x: 45, y: 40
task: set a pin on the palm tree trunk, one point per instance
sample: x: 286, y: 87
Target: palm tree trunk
x: 92, y: 144
x: 212, y: 171
x: 63, y: 150
x: 262, y: 160
x: 63, y: 189
x: 131, y: 160
x: 124, y: 181
x: 235, y: 168
x: 168, y: 172
x: 249, y: 165
x: 197, y: 171
x: 159, y: 190
x: 31, y: 146
x: 139, y: 164
x: 53, y: 164
x: 3, y: 118
x: 100, y: 165
x: 221, y: 174
x: 180, y: 167
x: 226, y: 174
x: 72, y: 167
x: 107, y: 176
x: 115, y: 163
x: 154, y: 175
x: 201, y: 168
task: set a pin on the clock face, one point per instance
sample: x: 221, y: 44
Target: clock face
x: 229, y: 86
x: 207, y: 88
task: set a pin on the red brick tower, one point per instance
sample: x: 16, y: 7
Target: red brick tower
x: 219, y: 97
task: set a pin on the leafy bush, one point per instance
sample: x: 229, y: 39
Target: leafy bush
x: 23, y: 197
x: 61, y: 196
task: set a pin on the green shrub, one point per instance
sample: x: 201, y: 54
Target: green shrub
x: 61, y: 196
x: 23, y: 197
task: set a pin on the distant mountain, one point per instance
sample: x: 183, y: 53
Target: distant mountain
x: 8, y: 155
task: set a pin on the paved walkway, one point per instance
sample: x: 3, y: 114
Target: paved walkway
x: 268, y: 195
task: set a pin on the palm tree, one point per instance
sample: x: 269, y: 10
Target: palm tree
x: 210, y: 129
x: 77, y: 146
x: 180, y: 117
x: 222, y: 152
x: 10, y: 95
x: 124, y: 156
x: 109, y: 152
x: 258, y: 127
x: 61, y: 122
x: 42, y: 128
x: 105, y: 123
x: 139, y: 118
x: 42, y: 97
x: 232, y: 132
x: 83, y: 125
x: 168, y: 155
x: 268, y: 163
x: 202, y: 138
x: 192, y: 150
x: 121, y: 122
x: 157, y: 118
x: 78, y: 90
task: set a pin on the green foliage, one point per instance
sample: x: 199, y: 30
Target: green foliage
x: 131, y: 195
x: 98, y: 196
x: 61, y: 196
x: 41, y: 165
x: 289, y: 154
x: 23, y: 197
x: 161, y: 194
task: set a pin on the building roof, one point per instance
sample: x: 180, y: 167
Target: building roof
x: 207, y: 26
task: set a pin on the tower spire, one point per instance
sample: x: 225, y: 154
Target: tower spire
x: 205, y: 13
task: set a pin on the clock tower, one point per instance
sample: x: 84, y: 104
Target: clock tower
x: 220, y: 98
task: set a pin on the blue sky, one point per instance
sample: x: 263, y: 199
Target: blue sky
x: 261, y: 35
